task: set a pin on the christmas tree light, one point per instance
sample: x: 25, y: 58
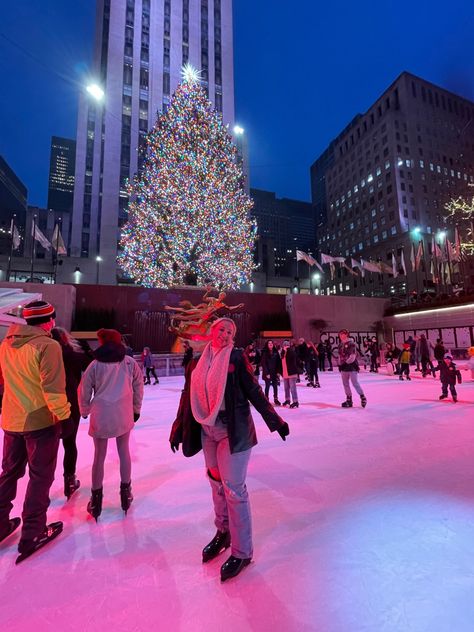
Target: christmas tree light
x: 189, y: 216
x: 461, y: 212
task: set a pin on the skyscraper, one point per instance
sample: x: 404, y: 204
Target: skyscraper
x: 140, y: 48
x: 382, y: 184
x: 13, y: 201
x: 61, y: 174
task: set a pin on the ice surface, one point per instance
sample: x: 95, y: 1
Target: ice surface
x: 363, y: 521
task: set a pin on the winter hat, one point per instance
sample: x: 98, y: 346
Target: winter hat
x: 448, y: 356
x: 344, y: 331
x: 109, y: 335
x: 38, y: 312
x: 406, y: 345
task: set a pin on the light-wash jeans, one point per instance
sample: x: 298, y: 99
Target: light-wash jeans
x: 353, y: 377
x: 290, y: 384
x: 230, y: 496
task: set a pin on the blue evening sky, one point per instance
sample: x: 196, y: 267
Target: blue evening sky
x: 303, y: 69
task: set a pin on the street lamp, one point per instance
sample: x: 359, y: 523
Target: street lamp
x: 95, y: 91
x: 238, y: 130
x: 98, y: 259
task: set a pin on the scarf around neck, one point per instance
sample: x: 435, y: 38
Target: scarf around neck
x: 208, y: 382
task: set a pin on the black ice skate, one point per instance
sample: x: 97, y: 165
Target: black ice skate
x: 347, y: 403
x: 126, y: 496
x: 443, y: 396
x: 9, y: 528
x: 71, y: 485
x: 276, y: 402
x: 294, y: 405
x: 233, y: 567
x: 363, y: 401
x: 94, y: 506
x: 28, y: 548
x: 286, y: 402
x: 219, y: 543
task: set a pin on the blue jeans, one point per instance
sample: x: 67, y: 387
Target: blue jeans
x: 290, y: 384
x: 230, y: 496
x: 352, y: 376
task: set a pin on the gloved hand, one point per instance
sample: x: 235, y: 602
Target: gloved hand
x: 66, y: 428
x: 284, y: 431
x: 174, y: 445
x: 136, y: 417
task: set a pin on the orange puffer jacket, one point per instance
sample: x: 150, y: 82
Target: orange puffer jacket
x: 32, y: 370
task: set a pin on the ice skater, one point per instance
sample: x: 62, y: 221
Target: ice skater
x: 405, y: 361
x: 214, y: 414
x: 349, y: 368
x: 75, y: 362
x: 35, y: 411
x: 111, y: 392
x: 448, y: 374
x: 149, y: 366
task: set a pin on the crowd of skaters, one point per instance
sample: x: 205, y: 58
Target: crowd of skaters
x: 50, y: 380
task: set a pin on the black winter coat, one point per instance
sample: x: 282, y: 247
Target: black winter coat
x: 75, y: 362
x: 241, y: 388
x: 448, y: 374
x: 271, y: 364
x: 291, y: 361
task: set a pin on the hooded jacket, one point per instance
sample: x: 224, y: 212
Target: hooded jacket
x: 111, y: 391
x: 32, y: 370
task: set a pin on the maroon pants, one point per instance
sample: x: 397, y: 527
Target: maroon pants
x: 39, y: 450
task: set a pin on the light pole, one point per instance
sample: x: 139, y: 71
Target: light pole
x: 98, y: 259
x: 416, y: 233
x: 316, y: 279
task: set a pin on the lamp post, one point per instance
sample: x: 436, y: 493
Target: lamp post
x: 98, y: 259
x: 316, y: 279
x: 416, y: 233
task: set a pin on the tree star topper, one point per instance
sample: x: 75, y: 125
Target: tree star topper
x: 191, y: 75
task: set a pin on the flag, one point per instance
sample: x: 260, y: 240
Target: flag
x: 412, y: 258
x: 385, y: 268
x: 15, y: 235
x: 353, y: 272
x: 447, y: 273
x: 312, y: 262
x: 57, y: 241
x: 402, y: 263
x: 450, y: 251
x: 326, y: 258
x: 435, y: 249
x: 38, y: 235
x: 371, y: 266
x: 419, y: 254
x: 302, y: 256
x: 333, y: 270
x: 394, y: 266
x: 433, y: 271
x: 457, y: 244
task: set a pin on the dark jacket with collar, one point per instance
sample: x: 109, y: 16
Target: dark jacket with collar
x: 242, y: 389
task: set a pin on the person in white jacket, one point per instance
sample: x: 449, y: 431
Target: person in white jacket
x: 111, y: 392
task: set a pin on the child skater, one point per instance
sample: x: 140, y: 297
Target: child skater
x: 111, y: 391
x: 405, y: 357
x: 448, y: 374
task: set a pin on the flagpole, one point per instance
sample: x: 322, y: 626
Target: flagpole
x: 450, y: 268
x: 57, y: 246
x: 9, y: 266
x: 422, y: 242
x: 297, y: 270
x: 33, y: 248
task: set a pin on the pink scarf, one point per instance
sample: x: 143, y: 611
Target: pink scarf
x: 208, y: 381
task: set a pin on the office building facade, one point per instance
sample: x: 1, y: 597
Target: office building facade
x: 13, y: 202
x: 61, y: 174
x: 393, y: 170
x: 284, y: 225
x: 140, y: 48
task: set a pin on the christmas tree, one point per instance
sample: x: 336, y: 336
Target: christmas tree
x: 189, y: 216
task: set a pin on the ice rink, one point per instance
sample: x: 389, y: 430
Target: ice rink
x: 363, y: 521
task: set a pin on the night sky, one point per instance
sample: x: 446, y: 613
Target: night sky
x: 303, y: 69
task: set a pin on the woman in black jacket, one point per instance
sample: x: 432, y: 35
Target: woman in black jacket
x: 214, y: 414
x: 271, y: 368
x: 75, y: 362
